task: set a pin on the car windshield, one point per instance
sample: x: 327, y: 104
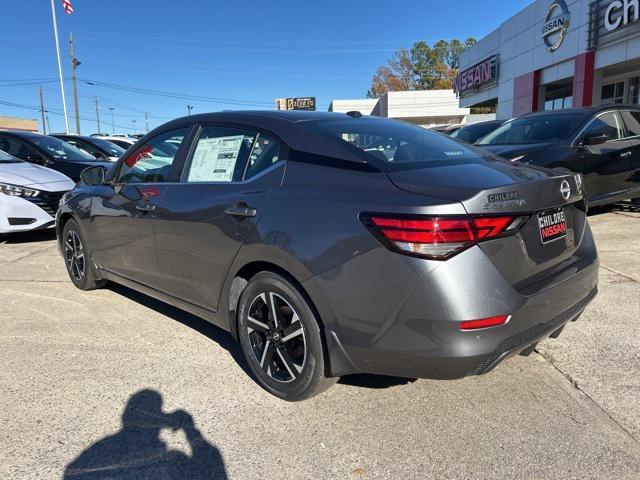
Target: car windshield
x: 6, y: 158
x: 111, y: 148
x: 537, y: 129
x: 473, y: 133
x: 393, y: 145
x: 60, y: 150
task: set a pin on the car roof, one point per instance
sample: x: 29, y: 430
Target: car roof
x: 584, y: 111
x: 24, y: 134
x: 486, y: 122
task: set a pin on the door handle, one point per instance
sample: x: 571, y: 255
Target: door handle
x: 145, y: 207
x: 625, y: 154
x: 241, y: 211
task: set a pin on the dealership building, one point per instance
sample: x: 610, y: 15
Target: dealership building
x: 555, y: 54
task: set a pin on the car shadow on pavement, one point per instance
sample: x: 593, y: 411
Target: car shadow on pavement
x: 364, y: 380
x: 138, y: 452
x: 626, y: 207
x: 29, y: 237
x: 218, y: 335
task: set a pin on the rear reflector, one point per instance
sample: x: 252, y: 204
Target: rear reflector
x: 436, y: 238
x: 484, y: 322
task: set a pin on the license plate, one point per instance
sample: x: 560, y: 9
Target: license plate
x: 552, y: 225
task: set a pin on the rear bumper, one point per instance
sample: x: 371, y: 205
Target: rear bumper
x: 405, y: 321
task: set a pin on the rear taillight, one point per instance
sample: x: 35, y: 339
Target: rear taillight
x: 437, y: 238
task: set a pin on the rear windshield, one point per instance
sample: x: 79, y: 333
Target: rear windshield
x: 111, y: 148
x: 538, y: 129
x: 393, y: 145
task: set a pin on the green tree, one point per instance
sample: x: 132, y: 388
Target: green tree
x: 424, y: 67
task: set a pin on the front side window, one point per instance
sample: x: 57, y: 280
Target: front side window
x: 220, y: 155
x: 535, y: 129
x: 151, y: 163
x: 608, y: 124
x: 632, y: 120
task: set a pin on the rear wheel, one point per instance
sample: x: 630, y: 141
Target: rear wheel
x: 280, y: 338
x: 77, y: 259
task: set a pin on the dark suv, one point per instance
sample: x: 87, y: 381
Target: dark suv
x: 602, y: 143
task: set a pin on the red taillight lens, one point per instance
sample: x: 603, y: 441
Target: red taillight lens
x: 436, y: 238
x: 484, y: 323
x: 488, y: 227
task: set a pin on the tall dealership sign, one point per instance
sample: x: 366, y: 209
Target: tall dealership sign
x: 611, y: 20
x: 481, y: 75
x: 556, y: 25
x: 298, y: 103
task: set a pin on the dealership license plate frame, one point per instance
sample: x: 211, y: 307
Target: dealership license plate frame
x: 551, y: 211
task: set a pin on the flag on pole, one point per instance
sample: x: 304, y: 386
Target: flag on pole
x: 68, y: 8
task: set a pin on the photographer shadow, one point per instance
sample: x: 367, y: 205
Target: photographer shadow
x: 137, y: 451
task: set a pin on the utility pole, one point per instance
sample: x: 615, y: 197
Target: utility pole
x: 146, y: 121
x: 55, y: 35
x: 75, y: 63
x: 189, y: 108
x: 134, y: 126
x: 48, y: 126
x: 98, y: 115
x: 113, y: 125
x: 44, y: 125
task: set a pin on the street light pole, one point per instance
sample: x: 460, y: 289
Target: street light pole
x: 113, y: 125
x: 134, y: 126
x: 189, y: 108
x: 146, y: 121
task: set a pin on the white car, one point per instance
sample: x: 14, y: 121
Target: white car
x: 29, y: 194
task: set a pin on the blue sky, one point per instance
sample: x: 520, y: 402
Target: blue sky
x: 238, y: 55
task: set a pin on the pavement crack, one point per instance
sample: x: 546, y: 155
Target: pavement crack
x: 574, y: 382
x: 617, y: 272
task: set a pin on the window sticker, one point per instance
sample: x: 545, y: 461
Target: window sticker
x: 215, y: 159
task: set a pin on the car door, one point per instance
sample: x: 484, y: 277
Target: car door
x: 122, y: 233
x: 203, y: 220
x: 632, y: 121
x: 605, y: 165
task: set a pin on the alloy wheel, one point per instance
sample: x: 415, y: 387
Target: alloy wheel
x: 74, y: 255
x: 277, y: 337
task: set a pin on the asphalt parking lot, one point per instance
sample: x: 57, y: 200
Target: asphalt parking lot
x: 89, y: 380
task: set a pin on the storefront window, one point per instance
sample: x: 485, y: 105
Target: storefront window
x: 558, y: 98
x: 613, y: 93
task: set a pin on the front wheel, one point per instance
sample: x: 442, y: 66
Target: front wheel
x: 280, y: 338
x: 77, y: 259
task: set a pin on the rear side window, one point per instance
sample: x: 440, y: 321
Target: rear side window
x: 228, y: 155
x: 393, y: 145
x: 632, y: 120
x: 608, y: 124
x: 220, y: 155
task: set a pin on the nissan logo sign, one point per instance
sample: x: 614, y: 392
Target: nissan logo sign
x: 556, y: 24
x: 565, y: 189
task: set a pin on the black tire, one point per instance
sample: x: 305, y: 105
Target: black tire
x: 286, y: 356
x: 77, y: 258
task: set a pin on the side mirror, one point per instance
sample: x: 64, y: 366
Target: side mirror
x: 597, y: 139
x: 93, y: 175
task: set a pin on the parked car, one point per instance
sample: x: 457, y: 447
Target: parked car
x: 323, y: 259
x: 122, y: 142
x: 447, y: 129
x: 49, y: 152
x: 473, y: 132
x: 96, y: 147
x: 602, y: 143
x: 29, y: 195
